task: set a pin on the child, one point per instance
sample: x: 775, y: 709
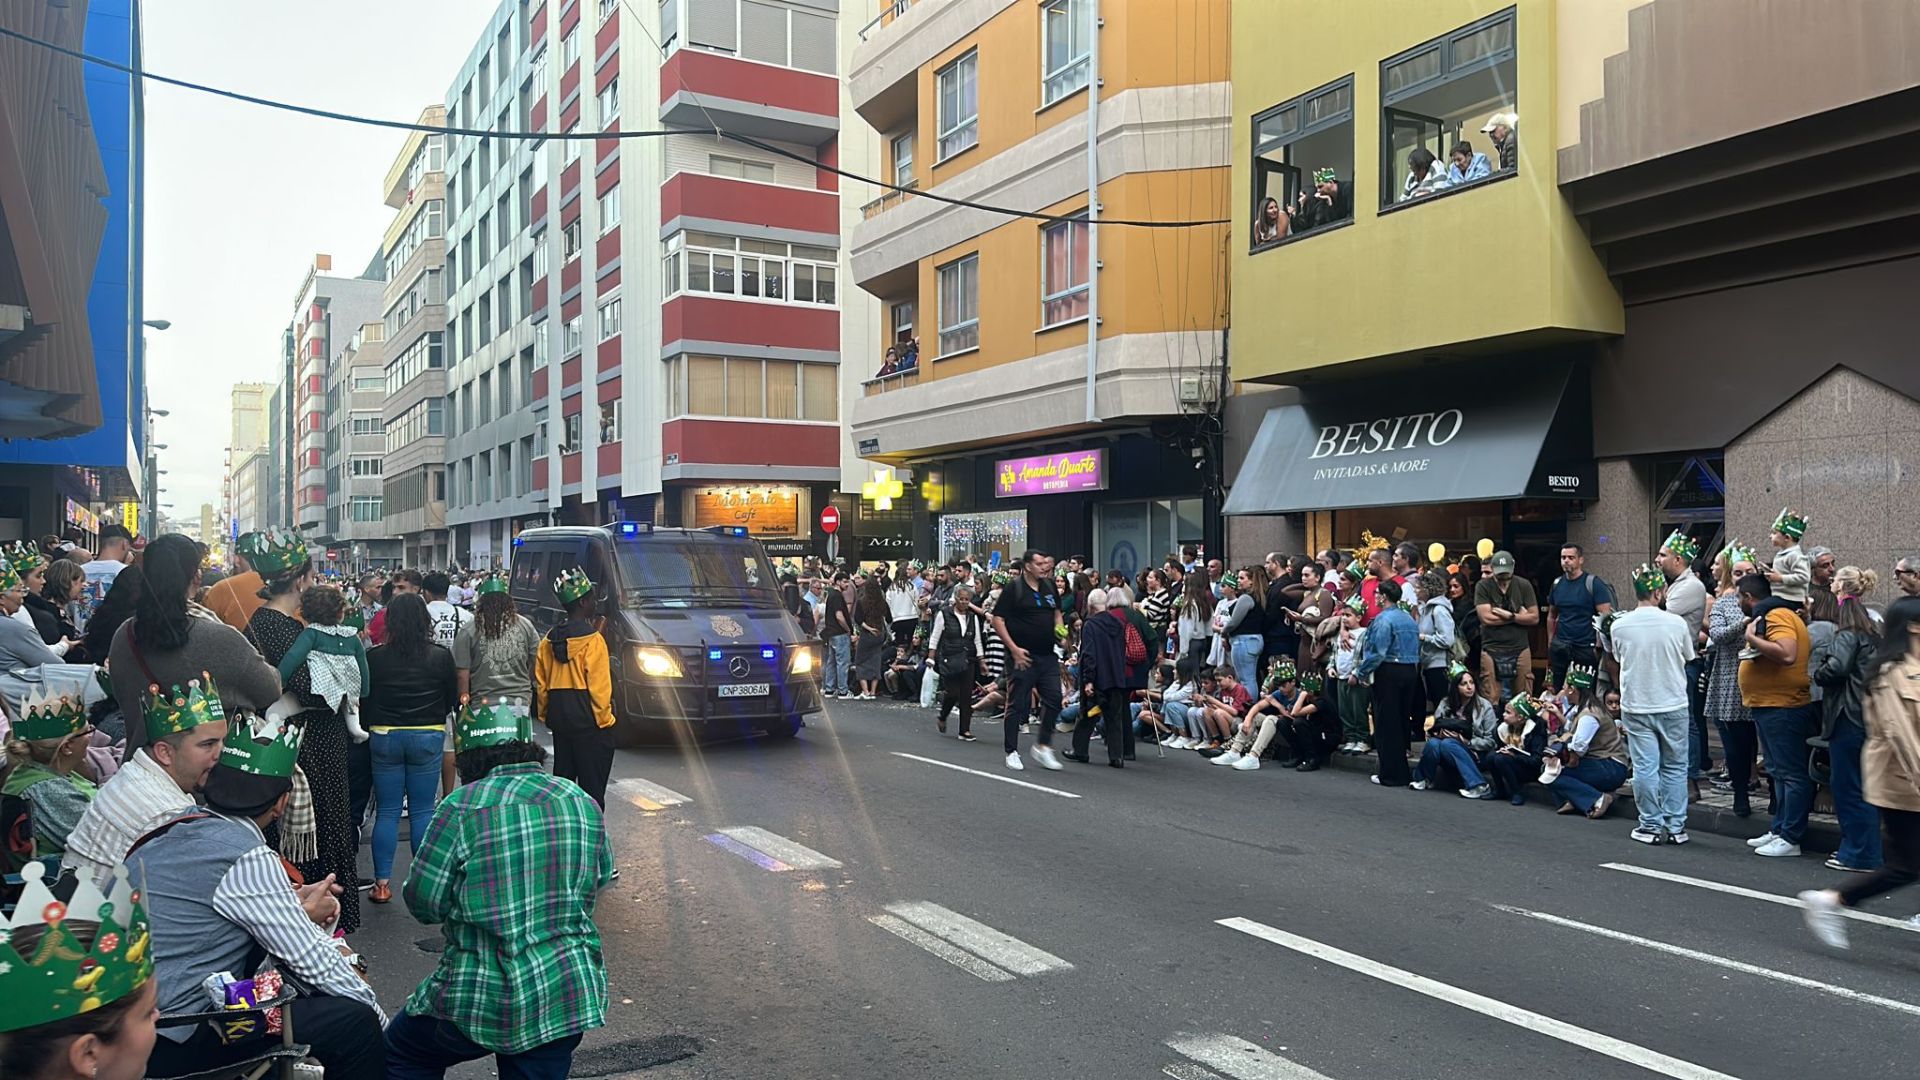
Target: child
x: 1355, y: 691
x: 1225, y: 705
x: 1792, y: 570
x: 1176, y: 703
x: 1518, y: 743
x: 335, y: 658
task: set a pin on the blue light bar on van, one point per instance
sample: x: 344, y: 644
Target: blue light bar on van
x: 766, y: 654
x: 727, y: 530
x: 633, y: 528
x: 518, y: 540
x: 713, y: 654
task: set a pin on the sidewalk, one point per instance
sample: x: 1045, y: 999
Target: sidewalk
x: 1712, y: 814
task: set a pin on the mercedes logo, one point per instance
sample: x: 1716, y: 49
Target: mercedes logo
x: 739, y: 667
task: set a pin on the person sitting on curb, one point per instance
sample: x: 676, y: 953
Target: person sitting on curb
x: 1518, y: 743
x: 1463, y: 728
x: 1224, y: 703
x: 1275, y: 708
x: 1582, y: 772
x: 1307, y: 731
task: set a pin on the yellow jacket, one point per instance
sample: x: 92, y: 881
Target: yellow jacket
x: 572, y: 679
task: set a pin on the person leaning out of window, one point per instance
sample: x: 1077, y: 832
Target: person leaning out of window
x: 1272, y: 224
x: 1504, y: 129
x: 1425, y: 175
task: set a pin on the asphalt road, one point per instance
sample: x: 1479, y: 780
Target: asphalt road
x: 1185, y: 920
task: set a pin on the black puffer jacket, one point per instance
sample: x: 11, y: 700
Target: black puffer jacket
x: 1842, y: 675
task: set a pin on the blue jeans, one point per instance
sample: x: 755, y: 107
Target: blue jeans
x: 1657, y: 742
x: 406, y: 766
x: 1696, y: 721
x: 1859, y: 821
x: 1583, y: 784
x: 1783, y: 738
x: 1453, y: 752
x: 1180, y: 717
x: 424, y: 1047
x: 1245, y: 650
x: 839, y: 658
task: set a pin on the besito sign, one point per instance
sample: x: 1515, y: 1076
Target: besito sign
x: 1388, y: 433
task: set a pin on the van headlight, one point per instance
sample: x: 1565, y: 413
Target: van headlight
x: 804, y: 662
x: 658, y: 663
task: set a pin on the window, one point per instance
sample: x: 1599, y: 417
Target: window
x: 608, y: 102
x: 960, y: 306
x: 903, y: 159
x: 485, y: 394
x: 540, y: 345
x: 570, y: 434
x: 366, y: 466
x: 740, y: 169
x: 523, y: 467
x: 608, y: 8
x: 610, y: 421
x: 541, y: 258
x: 540, y: 439
x: 503, y: 471
x: 365, y: 383
x: 503, y: 222
x: 716, y: 264
x: 504, y: 381
x: 1066, y: 32
x: 903, y: 322
x: 427, y: 352
x: 570, y: 47
x: 1063, y: 266
x: 760, y: 389
x: 570, y: 241
x: 959, y: 105
x: 609, y: 318
x: 366, y: 424
x: 572, y: 343
x: 430, y: 222
x: 609, y: 204
x: 364, y: 508
x: 1293, y: 143
x: 1443, y: 105
x: 572, y: 151
x: 539, y: 76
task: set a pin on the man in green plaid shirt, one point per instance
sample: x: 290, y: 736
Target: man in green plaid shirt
x: 510, y: 866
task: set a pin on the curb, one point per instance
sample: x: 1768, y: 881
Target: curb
x: 1823, y: 832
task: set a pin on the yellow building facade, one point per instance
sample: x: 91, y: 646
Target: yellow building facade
x: 1016, y: 337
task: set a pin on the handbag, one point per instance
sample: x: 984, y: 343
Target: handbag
x: 1506, y: 665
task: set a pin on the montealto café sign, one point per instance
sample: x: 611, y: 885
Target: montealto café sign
x: 1081, y: 470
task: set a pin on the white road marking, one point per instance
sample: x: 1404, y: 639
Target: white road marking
x: 1619, y: 1050
x: 798, y: 856
x: 959, y: 958
x: 988, y: 775
x: 1717, y: 961
x: 1755, y: 894
x: 1238, y: 1058
x: 980, y: 939
x: 648, y: 795
x: 1187, y: 1070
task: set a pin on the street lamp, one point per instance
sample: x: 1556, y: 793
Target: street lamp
x: 157, y: 324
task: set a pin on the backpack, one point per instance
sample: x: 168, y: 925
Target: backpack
x: 1136, y: 645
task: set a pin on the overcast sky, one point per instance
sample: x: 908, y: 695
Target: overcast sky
x: 240, y: 198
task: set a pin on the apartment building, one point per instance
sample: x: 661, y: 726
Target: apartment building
x: 648, y: 328
x: 357, y: 537
x: 1620, y: 316
x: 414, y: 469
x: 249, y: 488
x: 326, y: 414
x: 249, y: 420
x: 1053, y: 382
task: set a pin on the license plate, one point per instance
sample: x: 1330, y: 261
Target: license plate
x: 746, y: 689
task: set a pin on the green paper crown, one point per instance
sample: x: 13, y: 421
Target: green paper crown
x: 1282, y: 672
x: 1311, y: 683
x: 261, y: 747
x: 1455, y: 670
x: 52, y: 715
x: 182, y: 709
x: 354, y: 618
x: 1585, y: 678
x: 492, y: 583
x: 572, y: 585
x: 1323, y: 176
x: 492, y: 722
x: 1736, y: 553
x: 9, y: 577
x: 274, y: 551
x: 1794, y: 525
x: 1526, y: 706
x: 918, y: 565
x: 1357, y: 604
x: 1003, y: 578
x: 1682, y: 545
x: 55, y: 977
x: 1648, y: 578
x: 23, y: 557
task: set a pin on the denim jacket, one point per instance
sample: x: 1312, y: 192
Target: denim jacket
x: 1392, y: 638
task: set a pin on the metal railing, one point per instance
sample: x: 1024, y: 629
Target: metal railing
x: 892, y: 198
x: 889, y: 11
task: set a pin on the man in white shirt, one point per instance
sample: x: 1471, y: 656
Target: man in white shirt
x: 447, y: 619
x: 1688, y: 598
x: 116, y: 550
x: 185, y: 727
x: 1654, y: 648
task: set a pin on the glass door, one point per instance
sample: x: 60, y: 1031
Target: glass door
x: 1404, y: 131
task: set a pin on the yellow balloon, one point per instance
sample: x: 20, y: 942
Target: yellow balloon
x: 1436, y: 552
x: 1484, y: 548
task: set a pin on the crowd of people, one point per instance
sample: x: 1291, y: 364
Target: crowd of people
x: 1388, y: 649
x: 191, y: 755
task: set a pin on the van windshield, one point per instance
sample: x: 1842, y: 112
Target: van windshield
x: 692, y: 573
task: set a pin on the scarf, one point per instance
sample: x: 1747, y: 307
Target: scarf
x: 299, y: 831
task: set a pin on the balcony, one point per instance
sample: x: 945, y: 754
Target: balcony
x: 883, y: 74
x: 714, y: 203
x: 889, y: 200
x: 701, y: 89
x: 897, y: 380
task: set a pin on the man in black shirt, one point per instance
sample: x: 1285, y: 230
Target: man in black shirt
x: 1027, y: 618
x: 835, y: 631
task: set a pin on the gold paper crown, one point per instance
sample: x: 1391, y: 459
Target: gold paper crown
x: 46, y: 974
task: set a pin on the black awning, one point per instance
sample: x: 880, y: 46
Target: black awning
x: 1470, y: 432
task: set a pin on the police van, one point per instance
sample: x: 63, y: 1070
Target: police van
x: 701, y: 646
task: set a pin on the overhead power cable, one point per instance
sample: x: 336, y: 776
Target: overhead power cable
x: 481, y: 133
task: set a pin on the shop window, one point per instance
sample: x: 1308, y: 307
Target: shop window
x: 1690, y: 494
x: 1303, y: 164
x: 980, y: 535
x: 1455, y: 93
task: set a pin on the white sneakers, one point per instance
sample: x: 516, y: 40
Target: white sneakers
x: 1420, y: 785
x: 1047, y: 759
x: 1778, y: 848
x: 1822, y: 912
x: 1227, y: 758
x: 1762, y: 840
x: 1484, y: 791
x: 1247, y: 763
x: 1179, y: 742
x: 1013, y: 761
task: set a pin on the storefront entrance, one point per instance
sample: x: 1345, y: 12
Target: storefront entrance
x: 1131, y: 536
